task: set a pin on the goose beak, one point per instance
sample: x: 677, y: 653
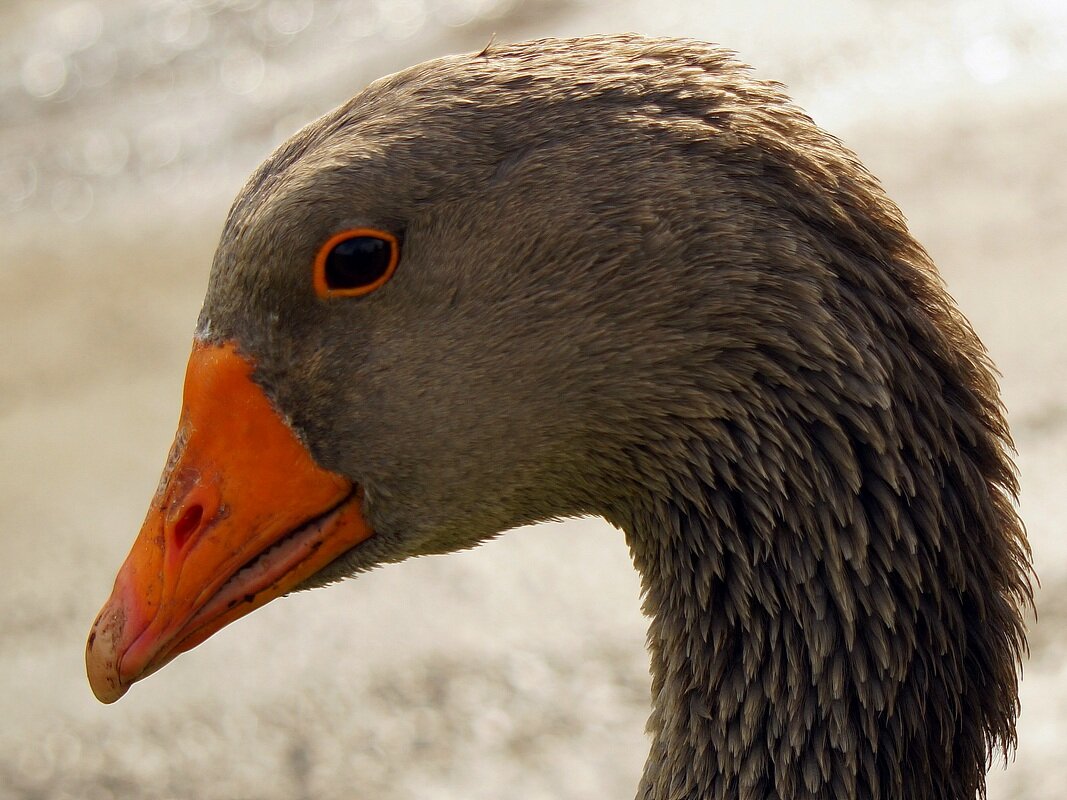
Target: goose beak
x: 243, y: 514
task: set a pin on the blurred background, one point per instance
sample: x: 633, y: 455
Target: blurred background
x: 517, y: 669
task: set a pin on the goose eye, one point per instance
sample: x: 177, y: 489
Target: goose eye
x: 355, y: 262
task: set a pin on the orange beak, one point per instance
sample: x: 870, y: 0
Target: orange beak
x: 243, y: 514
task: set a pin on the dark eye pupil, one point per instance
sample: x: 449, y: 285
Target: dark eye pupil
x: 356, y: 262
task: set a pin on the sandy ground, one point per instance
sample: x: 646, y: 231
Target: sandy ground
x: 516, y: 670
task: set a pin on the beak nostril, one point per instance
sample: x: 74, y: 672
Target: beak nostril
x: 187, y: 524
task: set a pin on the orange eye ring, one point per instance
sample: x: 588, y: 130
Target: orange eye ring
x: 357, y: 269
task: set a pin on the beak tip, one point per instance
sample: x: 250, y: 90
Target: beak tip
x: 102, y: 656
x: 108, y: 691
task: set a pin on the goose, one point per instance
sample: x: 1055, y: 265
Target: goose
x: 614, y: 276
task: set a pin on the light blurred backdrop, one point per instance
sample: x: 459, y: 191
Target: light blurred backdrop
x: 516, y: 670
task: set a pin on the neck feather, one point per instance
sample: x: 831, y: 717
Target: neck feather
x: 835, y: 601
x: 821, y: 508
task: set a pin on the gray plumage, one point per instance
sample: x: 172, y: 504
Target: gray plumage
x: 637, y: 282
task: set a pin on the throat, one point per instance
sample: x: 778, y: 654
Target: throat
x: 821, y: 647
x: 749, y: 695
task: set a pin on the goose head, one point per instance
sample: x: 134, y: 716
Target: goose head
x: 621, y: 277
